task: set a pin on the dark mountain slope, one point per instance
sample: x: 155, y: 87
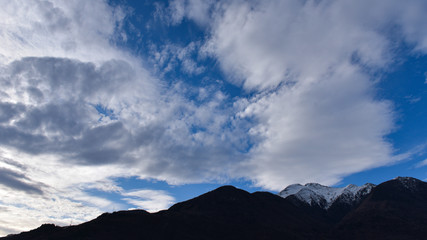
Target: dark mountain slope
x: 260, y: 215
x: 396, y: 209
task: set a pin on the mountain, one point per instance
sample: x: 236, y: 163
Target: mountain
x: 396, y: 209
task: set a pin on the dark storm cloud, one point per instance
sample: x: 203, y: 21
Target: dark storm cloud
x: 15, y: 181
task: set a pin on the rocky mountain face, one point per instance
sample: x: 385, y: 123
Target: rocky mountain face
x: 396, y: 209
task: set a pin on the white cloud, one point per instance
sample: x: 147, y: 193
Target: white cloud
x: 318, y: 131
x: 196, y: 10
x: 316, y: 112
x: 312, y: 38
x: 149, y: 200
x: 59, y: 29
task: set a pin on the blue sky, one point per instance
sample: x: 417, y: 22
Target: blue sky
x: 111, y: 105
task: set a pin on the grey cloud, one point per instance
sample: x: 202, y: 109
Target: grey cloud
x: 35, y: 93
x: 2, y: 93
x: 188, y: 164
x: 148, y: 135
x: 101, y: 145
x: 13, y: 163
x: 14, y: 180
x: 61, y: 75
x: 120, y: 72
x: 66, y: 78
x: 99, y: 156
x: 31, y: 143
x: 95, y: 135
x: 10, y: 110
x: 54, y: 17
x: 68, y: 118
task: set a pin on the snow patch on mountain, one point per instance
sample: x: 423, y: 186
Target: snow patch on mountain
x: 408, y: 182
x: 324, y: 196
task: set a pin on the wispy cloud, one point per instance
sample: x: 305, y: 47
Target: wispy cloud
x: 422, y: 163
x: 413, y: 99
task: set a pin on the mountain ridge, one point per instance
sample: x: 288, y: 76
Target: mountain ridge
x: 324, y: 196
x: 396, y: 209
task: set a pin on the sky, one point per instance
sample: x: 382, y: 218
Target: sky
x: 116, y: 105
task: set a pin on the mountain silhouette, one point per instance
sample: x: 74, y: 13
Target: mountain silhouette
x: 396, y: 209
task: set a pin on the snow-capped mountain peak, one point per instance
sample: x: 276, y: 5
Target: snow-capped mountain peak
x: 324, y: 196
